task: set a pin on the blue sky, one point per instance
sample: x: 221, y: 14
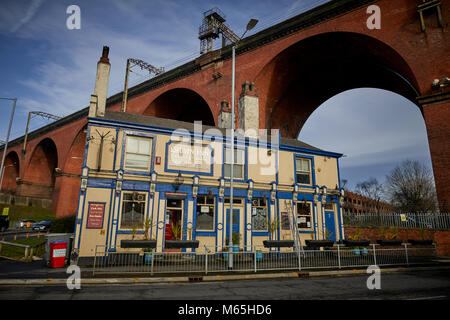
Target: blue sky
x: 52, y: 69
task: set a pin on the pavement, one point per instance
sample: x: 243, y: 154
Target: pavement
x: 37, y: 273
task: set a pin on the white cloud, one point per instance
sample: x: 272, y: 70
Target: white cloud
x: 32, y: 9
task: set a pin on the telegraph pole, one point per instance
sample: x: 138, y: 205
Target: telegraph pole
x: 37, y: 113
x: 125, y: 89
x: 143, y: 65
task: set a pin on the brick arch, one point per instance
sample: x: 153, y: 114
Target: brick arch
x: 303, y: 76
x: 181, y: 104
x: 11, y: 172
x: 39, y: 175
x: 68, y: 182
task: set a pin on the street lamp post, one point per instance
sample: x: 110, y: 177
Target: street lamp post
x: 251, y: 24
x: 7, y: 138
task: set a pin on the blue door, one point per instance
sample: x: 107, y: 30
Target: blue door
x: 235, y: 223
x: 330, y: 225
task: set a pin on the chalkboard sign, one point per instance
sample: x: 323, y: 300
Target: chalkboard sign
x: 285, y: 225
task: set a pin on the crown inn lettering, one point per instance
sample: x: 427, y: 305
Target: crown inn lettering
x: 126, y: 194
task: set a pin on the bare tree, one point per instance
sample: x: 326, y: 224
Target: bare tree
x: 410, y: 187
x: 372, y: 189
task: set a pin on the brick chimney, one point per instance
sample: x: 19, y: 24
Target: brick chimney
x: 98, y: 99
x: 224, y: 118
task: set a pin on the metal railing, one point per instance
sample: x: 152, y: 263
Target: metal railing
x: 210, y: 260
x: 439, y: 221
x: 28, y: 250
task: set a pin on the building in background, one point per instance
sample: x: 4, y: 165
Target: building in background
x: 356, y: 203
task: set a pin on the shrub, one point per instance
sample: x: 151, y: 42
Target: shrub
x: 63, y: 225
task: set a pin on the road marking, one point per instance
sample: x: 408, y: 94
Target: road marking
x: 428, y: 298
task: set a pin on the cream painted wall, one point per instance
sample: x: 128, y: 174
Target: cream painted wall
x: 261, y: 165
x: 326, y: 171
x: 108, y: 148
x: 90, y: 238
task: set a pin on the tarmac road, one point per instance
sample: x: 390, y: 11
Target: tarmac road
x: 407, y: 285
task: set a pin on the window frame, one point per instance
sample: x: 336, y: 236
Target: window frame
x: 236, y: 165
x: 310, y: 172
x: 310, y: 215
x: 266, y: 207
x: 144, y: 202
x: 149, y: 155
x: 213, y: 211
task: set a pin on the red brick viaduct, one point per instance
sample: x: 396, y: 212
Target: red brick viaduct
x: 295, y: 66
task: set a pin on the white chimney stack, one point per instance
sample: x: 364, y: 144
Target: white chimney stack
x: 98, y: 99
x: 248, y: 108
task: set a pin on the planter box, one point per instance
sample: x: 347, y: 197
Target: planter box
x: 357, y: 243
x: 278, y: 243
x: 319, y: 243
x: 420, y: 242
x: 389, y: 242
x: 180, y: 244
x: 138, y: 244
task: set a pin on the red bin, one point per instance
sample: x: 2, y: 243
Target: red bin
x: 58, y: 254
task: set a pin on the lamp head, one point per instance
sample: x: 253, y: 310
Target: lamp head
x: 251, y: 24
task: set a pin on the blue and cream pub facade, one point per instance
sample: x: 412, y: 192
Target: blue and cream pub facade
x: 143, y: 175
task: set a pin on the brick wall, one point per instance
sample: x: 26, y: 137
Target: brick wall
x: 440, y: 237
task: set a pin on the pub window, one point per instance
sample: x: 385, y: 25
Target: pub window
x: 205, y: 213
x: 329, y: 206
x: 235, y: 200
x: 303, y: 214
x: 259, y: 214
x: 133, y: 210
x: 137, y: 153
x: 303, y: 170
x: 239, y: 162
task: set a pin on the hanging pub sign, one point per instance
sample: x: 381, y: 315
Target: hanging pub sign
x: 95, y: 215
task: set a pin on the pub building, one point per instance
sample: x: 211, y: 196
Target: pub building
x: 160, y: 179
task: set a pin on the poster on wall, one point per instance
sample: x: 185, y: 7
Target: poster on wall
x: 285, y: 221
x: 95, y: 215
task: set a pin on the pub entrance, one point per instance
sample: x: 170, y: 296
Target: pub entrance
x: 174, y: 219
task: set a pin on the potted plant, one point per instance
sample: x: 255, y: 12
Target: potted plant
x: 143, y: 243
x: 177, y: 243
x: 390, y: 237
x: 320, y: 243
x: 272, y: 242
x: 355, y: 240
x: 422, y: 241
x: 236, y: 237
